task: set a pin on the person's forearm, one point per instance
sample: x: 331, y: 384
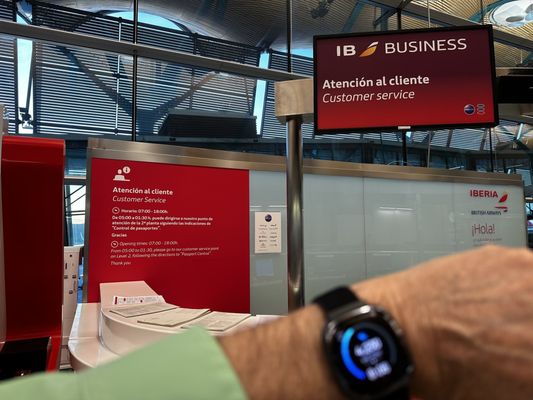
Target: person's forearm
x: 286, y: 359
x: 467, y: 320
x: 283, y: 359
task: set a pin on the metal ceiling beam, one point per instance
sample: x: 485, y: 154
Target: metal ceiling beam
x: 357, y: 9
x: 115, y: 46
x: 390, y: 12
x: 441, y: 18
x: 384, y: 17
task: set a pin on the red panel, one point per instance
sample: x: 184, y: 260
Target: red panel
x: 184, y: 230
x: 32, y: 202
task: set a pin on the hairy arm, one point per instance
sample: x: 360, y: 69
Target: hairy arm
x: 283, y: 359
x: 467, y: 318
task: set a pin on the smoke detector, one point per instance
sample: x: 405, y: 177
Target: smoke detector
x: 513, y: 14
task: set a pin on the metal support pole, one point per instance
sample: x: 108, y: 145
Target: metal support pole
x: 404, y: 148
x: 428, y: 160
x: 399, y: 18
x: 289, y: 35
x: 491, y: 152
x: 134, y: 77
x: 15, y: 60
x: 3, y: 317
x: 429, y: 14
x: 295, y: 261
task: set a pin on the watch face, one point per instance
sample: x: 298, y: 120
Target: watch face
x: 366, y: 353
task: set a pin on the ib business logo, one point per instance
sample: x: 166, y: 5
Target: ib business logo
x: 348, y: 50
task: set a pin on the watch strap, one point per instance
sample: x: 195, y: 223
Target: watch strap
x: 339, y: 297
x: 400, y: 394
x: 335, y: 298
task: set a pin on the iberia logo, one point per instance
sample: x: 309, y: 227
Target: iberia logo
x: 492, y: 194
x: 371, y: 49
x: 501, y: 203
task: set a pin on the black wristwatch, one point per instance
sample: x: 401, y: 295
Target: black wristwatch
x: 365, y: 348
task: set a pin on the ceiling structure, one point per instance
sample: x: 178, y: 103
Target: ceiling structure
x: 263, y: 23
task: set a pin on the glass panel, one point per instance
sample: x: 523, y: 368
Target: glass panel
x: 81, y: 18
x: 467, y: 9
x: 268, y: 272
x: 334, y: 237
x: 81, y: 92
x: 242, y: 22
x: 509, y: 56
x: 195, y: 107
x: 8, y: 79
x: 75, y: 214
x: 325, y: 17
x: 7, y: 10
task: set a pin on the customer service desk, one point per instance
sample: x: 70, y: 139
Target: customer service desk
x: 98, y: 337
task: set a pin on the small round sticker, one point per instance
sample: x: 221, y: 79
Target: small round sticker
x: 469, y: 109
x: 268, y: 218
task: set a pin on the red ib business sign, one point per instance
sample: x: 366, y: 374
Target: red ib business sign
x: 405, y: 80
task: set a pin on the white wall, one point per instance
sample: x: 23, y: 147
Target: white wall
x: 355, y: 228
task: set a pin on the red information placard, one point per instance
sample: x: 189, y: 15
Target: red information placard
x: 184, y: 230
x: 405, y: 80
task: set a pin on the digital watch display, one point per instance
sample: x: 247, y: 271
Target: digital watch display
x: 364, y: 348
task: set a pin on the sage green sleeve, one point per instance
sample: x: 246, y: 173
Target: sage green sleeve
x: 184, y: 366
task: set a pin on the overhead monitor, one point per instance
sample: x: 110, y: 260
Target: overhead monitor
x: 412, y: 79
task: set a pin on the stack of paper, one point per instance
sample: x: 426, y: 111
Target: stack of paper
x: 141, y: 309
x: 174, y: 317
x: 218, y: 321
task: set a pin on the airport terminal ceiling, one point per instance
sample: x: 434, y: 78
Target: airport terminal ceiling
x: 263, y: 23
x: 258, y: 26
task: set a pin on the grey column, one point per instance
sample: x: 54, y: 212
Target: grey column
x: 295, y: 261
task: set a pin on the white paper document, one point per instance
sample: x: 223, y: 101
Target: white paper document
x: 218, y: 321
x: 141, y: 309
x: 119, y: 300
x: 173, y: 317
x: 267, y: 232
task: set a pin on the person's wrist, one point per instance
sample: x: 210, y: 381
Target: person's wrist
x: 388, y: 293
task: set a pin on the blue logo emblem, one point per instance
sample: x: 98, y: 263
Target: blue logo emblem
x: 469, y: 109
x: 268, y: 218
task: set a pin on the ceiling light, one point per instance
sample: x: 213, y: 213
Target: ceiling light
x: 513, y: 14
